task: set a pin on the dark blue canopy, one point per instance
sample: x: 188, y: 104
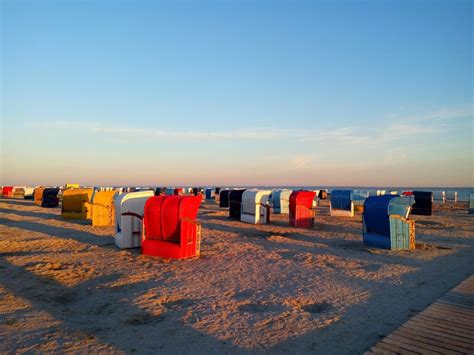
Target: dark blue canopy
x: 341, y: 199
x: 376, y: 214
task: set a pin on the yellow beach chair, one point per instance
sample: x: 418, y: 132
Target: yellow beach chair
x: 77, y: 204
x: 103, y: 209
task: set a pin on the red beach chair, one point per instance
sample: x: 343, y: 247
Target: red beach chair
x: 301, y: 214
x: 7, y: 191
x: 170, y: 228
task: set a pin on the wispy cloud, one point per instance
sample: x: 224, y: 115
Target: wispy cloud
x: 255, y: 134
x: 397, y: 128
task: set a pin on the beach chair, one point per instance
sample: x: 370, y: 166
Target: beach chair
x: 423, y: 203
x: 386, y: 222
x: 342, y: 204
x: 301, y: 214
x: 103, y: 209
x: 235, y: 203
x: 38, y: 195
x: 224, y: 198
x: 208, y: 194
x: 281, y: 201
x: 439, y: 197
x: 29, y: 193
x: 7, y: 191
x: 128, y: 218
x: 77, y: 203
x: 255, y: 206
x: 452, y: 196
x: 18, y: 192
x: 170, y: 228
x: 323, y: 194
x: 471, y: 203
x: 50, y: 197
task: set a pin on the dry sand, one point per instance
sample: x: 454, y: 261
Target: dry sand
x: 64, y: 286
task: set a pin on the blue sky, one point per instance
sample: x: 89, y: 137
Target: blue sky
x: 237, y: 92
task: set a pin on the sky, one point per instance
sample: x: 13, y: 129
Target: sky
x: 209, y: 93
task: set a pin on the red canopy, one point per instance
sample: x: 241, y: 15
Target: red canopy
x: 301, y: 214
x: 170, y: 227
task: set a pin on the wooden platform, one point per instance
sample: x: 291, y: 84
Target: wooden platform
x: 445, y: 327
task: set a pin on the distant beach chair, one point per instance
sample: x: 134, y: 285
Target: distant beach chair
x: 471, y: 203
x: 208, y: 194
x: 323, y: 194
x: 423, y: 203
x: 386, y: 222
x: 29, y: 193
x: 71, y: 186
x: 342, y: 204
x: 235, y: 203
x: 103, y: 209
x: 301, y: 214
x: 129, y: 209
x: 50, y: 197
x: 439, y: 196
x: 77, y: 203
x: 18, y: 192
x: 452, y: 196
x: 7, y: 191
x: 38, y: 195
x: 255, y: 206
x: 224, y: 198
x: 281, y: 201
x: 170, y: 228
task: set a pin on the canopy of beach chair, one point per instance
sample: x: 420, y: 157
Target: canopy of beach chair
x: 170, y: 229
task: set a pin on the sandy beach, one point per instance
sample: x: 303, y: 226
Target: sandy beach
x: 64, y: 286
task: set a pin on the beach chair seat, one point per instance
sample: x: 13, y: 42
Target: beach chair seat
x: 386, y: 222
x: 301, y: 215
x: 224, y: 198
x: 170, y: 228
x: 235, y: 203
x: 50, y: 197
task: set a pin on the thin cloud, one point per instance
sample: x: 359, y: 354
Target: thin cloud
x: 399, y: 128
